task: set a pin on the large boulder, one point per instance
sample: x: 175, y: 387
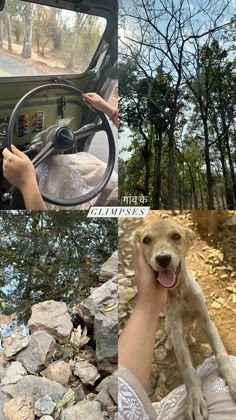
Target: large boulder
x: 88, y: 410
x: 105, y: 325
x: 109, y: 268
x: 3, y: 400
x: 35, y: 387
x: 52, y: 317
x: 38, y: 354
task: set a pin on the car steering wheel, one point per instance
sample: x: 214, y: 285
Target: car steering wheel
x: 62, y: 139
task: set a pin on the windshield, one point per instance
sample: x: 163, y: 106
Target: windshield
x: 43, y: 40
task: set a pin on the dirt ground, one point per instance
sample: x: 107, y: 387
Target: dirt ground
x: 212, y: 261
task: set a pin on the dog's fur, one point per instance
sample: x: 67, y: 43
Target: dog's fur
x: 185, y: 303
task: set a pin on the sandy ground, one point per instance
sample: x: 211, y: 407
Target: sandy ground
x: 212, y: 260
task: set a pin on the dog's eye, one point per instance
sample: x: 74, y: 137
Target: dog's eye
x: 176, y: 236
x: 146, y: 240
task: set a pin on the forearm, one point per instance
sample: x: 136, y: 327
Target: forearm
x: 136, y: 343
x: 32, y: 197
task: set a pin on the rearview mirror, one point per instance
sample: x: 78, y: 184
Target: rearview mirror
x: 2, y: 4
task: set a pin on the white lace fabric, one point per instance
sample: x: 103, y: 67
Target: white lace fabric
x: 134, y: 403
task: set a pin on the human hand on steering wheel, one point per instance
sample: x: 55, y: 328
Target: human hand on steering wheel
x: 20, y: 173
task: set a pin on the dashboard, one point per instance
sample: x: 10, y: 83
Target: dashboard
x: 26, y: 125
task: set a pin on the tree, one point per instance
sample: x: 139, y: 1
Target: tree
x: 162, y: 36
x: 27, y: 43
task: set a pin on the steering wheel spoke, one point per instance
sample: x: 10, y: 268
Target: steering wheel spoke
x: 44, y: 153
x: 88, y: 130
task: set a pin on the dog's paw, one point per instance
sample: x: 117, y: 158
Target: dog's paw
x: 196, y: 406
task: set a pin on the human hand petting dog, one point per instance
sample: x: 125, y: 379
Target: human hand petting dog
x: 150, y: 291
x: 136, y: 343
x: 20, y: 173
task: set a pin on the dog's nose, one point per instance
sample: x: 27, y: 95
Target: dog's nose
x: 163, y: 259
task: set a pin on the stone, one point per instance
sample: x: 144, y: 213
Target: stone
x: 80, y: 393
x: 110, y: 268
x: 13, y: 373
x: 160, y: 353
x: 87, y: 372
x: 44, y: 406
x: 52, y: 317
x: 47, y: 418
x: 106, y: 337
x: 104, y: 398
x: 88, y: 410
x: 216, y: 305
x: 20, y: 408
x: 35, y: 387
x: 14, y: 344
x: 113, y: 388
x: 3, y: 400
x: 105, y: 326
x: 59, y: 371
x: 39, y: 352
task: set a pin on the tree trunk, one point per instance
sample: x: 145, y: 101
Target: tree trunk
x: 228, y: 195
x: 210, y: 196
x: 171, y: 167
x: 27, y: 44
x: 1, y: 33
x: 231, y: 165
x: 8, y: 24
x: 157, y: 173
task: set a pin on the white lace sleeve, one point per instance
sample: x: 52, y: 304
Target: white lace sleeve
x: 134, y: 403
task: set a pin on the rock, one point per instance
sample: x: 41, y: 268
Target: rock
x: 44, y: 406
x: 103, y: 384
x: 106, y: 337
x: 104, y: 398
x: 109, y: 268
x: 98, y: 297
x: 52, y: 317
x: 3, y: 400
x: 160, y: 353
x: 216, y: 305
x: 113, y: 388
x: 14, y: 344
x: 47, y: 418
x: 13, y: 373
x: 59, y: 371
x: 105, y: 326
x: 80, y: 393
x: 35, y: 387
x: 87, y: 372
x: 39, y: 352
x: 3, y: 360
x: 88, y: 410
x: 20, y: 408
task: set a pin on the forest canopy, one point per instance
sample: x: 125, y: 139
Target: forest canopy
x: 177, y: 86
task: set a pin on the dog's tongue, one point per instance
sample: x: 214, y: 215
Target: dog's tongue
x: 166, y: 278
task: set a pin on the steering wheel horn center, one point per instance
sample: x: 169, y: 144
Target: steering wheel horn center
x: 64, y: 139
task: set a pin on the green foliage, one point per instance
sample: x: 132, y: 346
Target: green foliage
x: 51, y: 255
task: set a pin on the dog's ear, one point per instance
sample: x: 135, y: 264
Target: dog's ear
x: 136, y: 236
x: 190, y: 236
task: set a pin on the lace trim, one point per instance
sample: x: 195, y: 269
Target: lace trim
x: 130, y: 405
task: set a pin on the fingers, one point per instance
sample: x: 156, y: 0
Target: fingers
x: 17, y: 152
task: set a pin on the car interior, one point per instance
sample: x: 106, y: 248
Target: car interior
x: 50, y: 53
